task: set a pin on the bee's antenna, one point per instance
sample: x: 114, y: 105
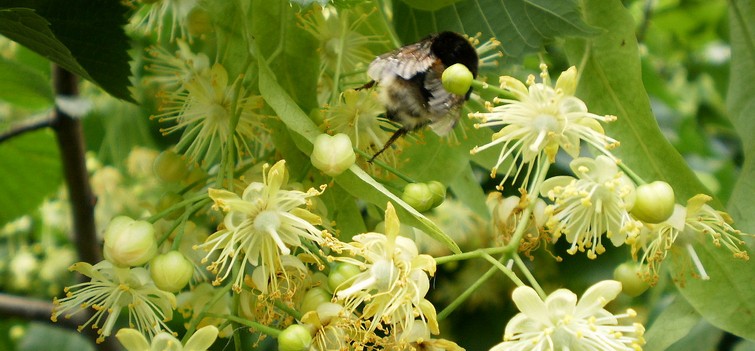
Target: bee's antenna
x: 397, y: 134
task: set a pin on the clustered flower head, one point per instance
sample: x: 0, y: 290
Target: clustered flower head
x: 109, y: 291
x: 686, y: 226
x: 539, y: 120
x: 563, y: 322
x: 214, y: 115
x: 264, y: 223
x: 597, y: 201
x: 393, y: 282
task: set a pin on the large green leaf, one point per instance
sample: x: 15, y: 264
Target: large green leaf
x: 671, y: 325
x: 523, y: 26
x: 30, y: 171
x: 23, y: 86
x: 611, y: 83
x: 741, y: 104
x: 85, y: 37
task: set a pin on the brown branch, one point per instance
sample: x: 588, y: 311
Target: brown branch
x: 39, y: 310
x: 22, y: 128
x: 71, y: 144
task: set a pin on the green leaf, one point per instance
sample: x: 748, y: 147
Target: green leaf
x: 355, y: 181
x: 41, y: 336
x: 727, y: 300
x: 740, y: 104
x: 523, y: 26
x: 611, y: 84
x: 702, y: 337
x: 671, y: 325
x: 466, y: 188
x: 745, y: 345
x: 30, y: 170
x: 345, y: 211
x: 277, y: 32
x: 85, y: 37
x: 23, y: 86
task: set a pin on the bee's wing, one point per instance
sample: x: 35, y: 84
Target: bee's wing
x: 444, y: 107
x: 405, y: 62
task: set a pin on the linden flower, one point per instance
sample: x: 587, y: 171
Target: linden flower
x: 342, y: 48
x: 685, y: 226
x: 563, y: 323
x: 213, y: 115
x: 539, y: 121
x: 173, y: 71
x: 595, y: 202
x: 109, y: 291
x: 156, y: 11
x: 394, y: 280
x: 133, y: 340
x: 260, y: 226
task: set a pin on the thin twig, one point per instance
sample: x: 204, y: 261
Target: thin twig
x: 40, y: 310
x: 22, y: 128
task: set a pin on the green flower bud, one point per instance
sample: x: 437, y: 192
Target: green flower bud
x: 129, y: 242
x: 166, y: 201
x: 438, y: 191
x: 419, y: 196
x: 333, y: 154
x: 341, y: 273
x: 198, y: 21
x: 632, y: 284
x: 171, y: 271
x: 457, y: 79
x: 294, y: 338
x: 169, y: 166
x: 314, y: 297
x: 654, y: 202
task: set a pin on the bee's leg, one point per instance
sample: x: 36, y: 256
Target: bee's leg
x: 397, y: 134
x: 369, y: 84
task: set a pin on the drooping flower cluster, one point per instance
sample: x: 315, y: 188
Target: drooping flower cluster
x: 393, y: 282
x: 597, y: 201
x: 109, y: 291
x: 563, y: 322
x: 263, y: 224
x: 538, y: 121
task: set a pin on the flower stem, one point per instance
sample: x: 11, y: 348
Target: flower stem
x: 203, y: 313
x: 634, y: 176
x: 254, y: 325
x: 505, y: 269
x: 285, y: 308
x: 469, y: 255
x: 464, y: 295
x: 527, y: 213
x: 529, y: 276
x: 484, y: 86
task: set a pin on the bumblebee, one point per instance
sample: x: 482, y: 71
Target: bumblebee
x: 411, y: 89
